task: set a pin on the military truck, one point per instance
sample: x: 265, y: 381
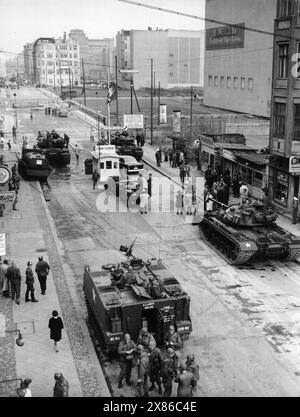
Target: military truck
x: 114, y: 309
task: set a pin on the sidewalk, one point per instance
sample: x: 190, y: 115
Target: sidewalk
x: 29, y: 234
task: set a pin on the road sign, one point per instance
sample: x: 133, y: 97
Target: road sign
x: 2, y: 244
x: 7, y: 197
x: 134, y: 121
x: 5, y: 174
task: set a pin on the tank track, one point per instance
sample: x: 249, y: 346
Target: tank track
x: 225, y: 247
x: 293, y: 255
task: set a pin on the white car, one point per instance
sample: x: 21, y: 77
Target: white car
x: 63, y: 113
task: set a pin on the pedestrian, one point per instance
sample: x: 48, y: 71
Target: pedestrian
x: 92, y: 134
x: 171, y: 153
x: 155, y: 366
x: 96, y: 177
x: 42, y: 269
x: 158, y: 157
x: 142, y: 372
x: 244, y: 191
x: 2, y: 276
x: 295, y: 206
x: 146, y: 340
x: 6, y: 283
x: 186, y: 382
x: 14, y: 276
x: 172, y: 339
x: 77, y: 152
x: 49, y: 110
x: 61, y: 387
x: 192, y: 367
x: 46, y: 111
x: 182, y: 173
x: 31, y: 114
x: 29, y: 281
x: 179, y: 202
x: 138, y: 139
x: 149, y: 184
x: 55, y: 325
x: 14, y: 132
x: 66, y: 140
x: 181, y: 158
x: 1, y: 134
x: 23, y: 390
x: 126, y: 351
x: 9, y: 145
x: 142, y: 136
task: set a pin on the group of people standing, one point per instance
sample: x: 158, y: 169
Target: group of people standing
x: 61, y: 387
x: 53, y: 111
x: 175, y: 158
x: 162, y: 369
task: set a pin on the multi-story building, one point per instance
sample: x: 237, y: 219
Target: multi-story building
x: 285, y: 110
x: 28, y: 62
x: 56, y: 62
x: 97, y: 55
x: 177, y: 56
x: 238, y: 62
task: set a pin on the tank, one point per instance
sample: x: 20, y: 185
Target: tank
x: 55, y: 149
x: 33, y: 164
x: 114, y: 309
x: 245, y: 231
x: 126, y: 146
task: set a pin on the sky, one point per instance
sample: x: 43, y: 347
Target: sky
x: 24, y: 21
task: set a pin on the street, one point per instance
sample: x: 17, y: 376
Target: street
x: 246, y: 333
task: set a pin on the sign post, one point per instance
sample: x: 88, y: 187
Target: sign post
x: 134, y: 121
x: 2, y: 245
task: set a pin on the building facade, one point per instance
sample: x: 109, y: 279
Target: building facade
x: 285, y: 113
x: 28, y: 62
x: 177, y: 56
x: 238, y: 62
x: 56, y: 62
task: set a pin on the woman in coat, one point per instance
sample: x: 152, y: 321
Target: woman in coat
x: 55, y: 326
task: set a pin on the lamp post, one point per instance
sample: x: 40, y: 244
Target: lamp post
x: 98, y: 132
x: 19, y: 340
x: 15, y: 105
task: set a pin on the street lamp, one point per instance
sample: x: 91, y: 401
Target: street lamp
x: 19, y: 339
x: 131, y: 84
x: 98, y: 132
x: 15, y: 105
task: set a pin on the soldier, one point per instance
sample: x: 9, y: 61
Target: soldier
x: 14, y: 276
x: 167, y: 377
x: 129, y: 277
x: 154, y: 289
x: 142, y: 371
x: 29, y: 282
x: 172, y: 339
x: 186, y: 382
x: 155, y: 367
x: 117, y: 276
x: 126, y: 351
x: 192, y: 367
x: 146, y: 340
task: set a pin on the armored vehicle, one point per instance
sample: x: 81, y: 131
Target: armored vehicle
x: 126, y: 146
x: 33, y: 164
x: 154, y: 299
x: 55, y: 148
x: 247, y: 230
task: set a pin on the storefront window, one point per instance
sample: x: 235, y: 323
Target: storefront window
x: 281, y: 187
x: 279, y: 120
x: 257, y: 179
x: 296, y: 135
x: 205, y: 157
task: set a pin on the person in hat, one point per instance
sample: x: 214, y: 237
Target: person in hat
x: 23, y: 390
x: 186, y: 382
x: 158, y: 157
x: 6, y: 283
x: 146, y: 340
x: 172, y: 338
x: 55, y: 325
x: 142, y: 371
x: 192, y: 367
x: 42, y: 269
x: 61, y: 387
x: 295, y: 206
x: 14, y: 276
x: 29, y: 281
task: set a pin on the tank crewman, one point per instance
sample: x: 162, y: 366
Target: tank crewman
x: 171, y: 354
x: 66, y: 140
x: 192, y: 367
x: 126, y: 351
x: 155, y: 366
x: 186, y: 382
x: 117, y: 276
x: 172, y: 339
x: 154, y: 289
x: 146, y: 340
x: 142, y: 371
x: 129, y: 277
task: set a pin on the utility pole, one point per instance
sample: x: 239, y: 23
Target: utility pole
x: 117, y: 93
x: 191, y: 114
x: 154, y: 84
x: 70, y: 81
x: 84, y: 96
x: 151, y: 117
x: 61, y: 90
x: 131, y: 86
x: 158, y: 110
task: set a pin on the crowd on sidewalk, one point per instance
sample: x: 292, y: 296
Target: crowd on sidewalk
x: 160, y: 367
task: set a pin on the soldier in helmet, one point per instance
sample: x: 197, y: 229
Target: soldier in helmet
x: 186, y: 382
x: 167, y: 376
x: 172, y: 339
x: 142, y: 371
x: 192, y: 367
x: 146, y: 340
x: 155, y: 366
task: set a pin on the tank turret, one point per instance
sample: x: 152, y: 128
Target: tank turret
x: 54, y: 147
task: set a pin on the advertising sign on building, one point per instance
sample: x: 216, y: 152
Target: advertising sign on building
x: 294, y: 165
x: 107, y: 149
x: 225, y: 37
x: 2, y: 245
x: 176, y: 121
x: 5, y: 175
x: 134, y: 121
x: 228, y: 155
x: 163, y: 113
x: 7, y: 197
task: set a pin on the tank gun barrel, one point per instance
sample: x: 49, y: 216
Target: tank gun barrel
x: 218, y: 202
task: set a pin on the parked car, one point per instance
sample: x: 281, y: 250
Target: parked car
x: 63, y: 113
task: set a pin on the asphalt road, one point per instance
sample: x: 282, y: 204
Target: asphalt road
x: 246, y: 331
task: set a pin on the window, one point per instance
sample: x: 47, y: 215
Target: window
x: 243, y: 83
x: 296, y: 134
x: 283, y: 8
x: 115, y: 165
x: 210, y: 79
x: 101, y: 165
x: 257, y: 179
x: 171, y: 74
x: 281, y: 187
x: 170, y: 65
x: 235, y: 82
x: 216, y: 81
x: 222, y: 81
x: 108, y: 164
x: 250, y: 83
x: 125, y: 46
x: 279, y: 120
x: 75, y: 55
x: 228, y: 82
x: 171, y: 55
x: 283, y: 54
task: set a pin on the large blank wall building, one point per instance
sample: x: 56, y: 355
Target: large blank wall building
x: 238, y: 62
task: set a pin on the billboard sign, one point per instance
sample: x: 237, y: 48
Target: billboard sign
x: 7, y: 197
x: 294, y: 165
x: 2, y: 245
x: 176, y: 121
x: 134, y: 121
x: 225, y: 37
x: 162, y: 113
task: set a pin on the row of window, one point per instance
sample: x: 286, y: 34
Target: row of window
x: 279, y: 121
x: 284, y: 8
x: 58, y: 72
x: 234, y: 82
x: 61, y: 63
